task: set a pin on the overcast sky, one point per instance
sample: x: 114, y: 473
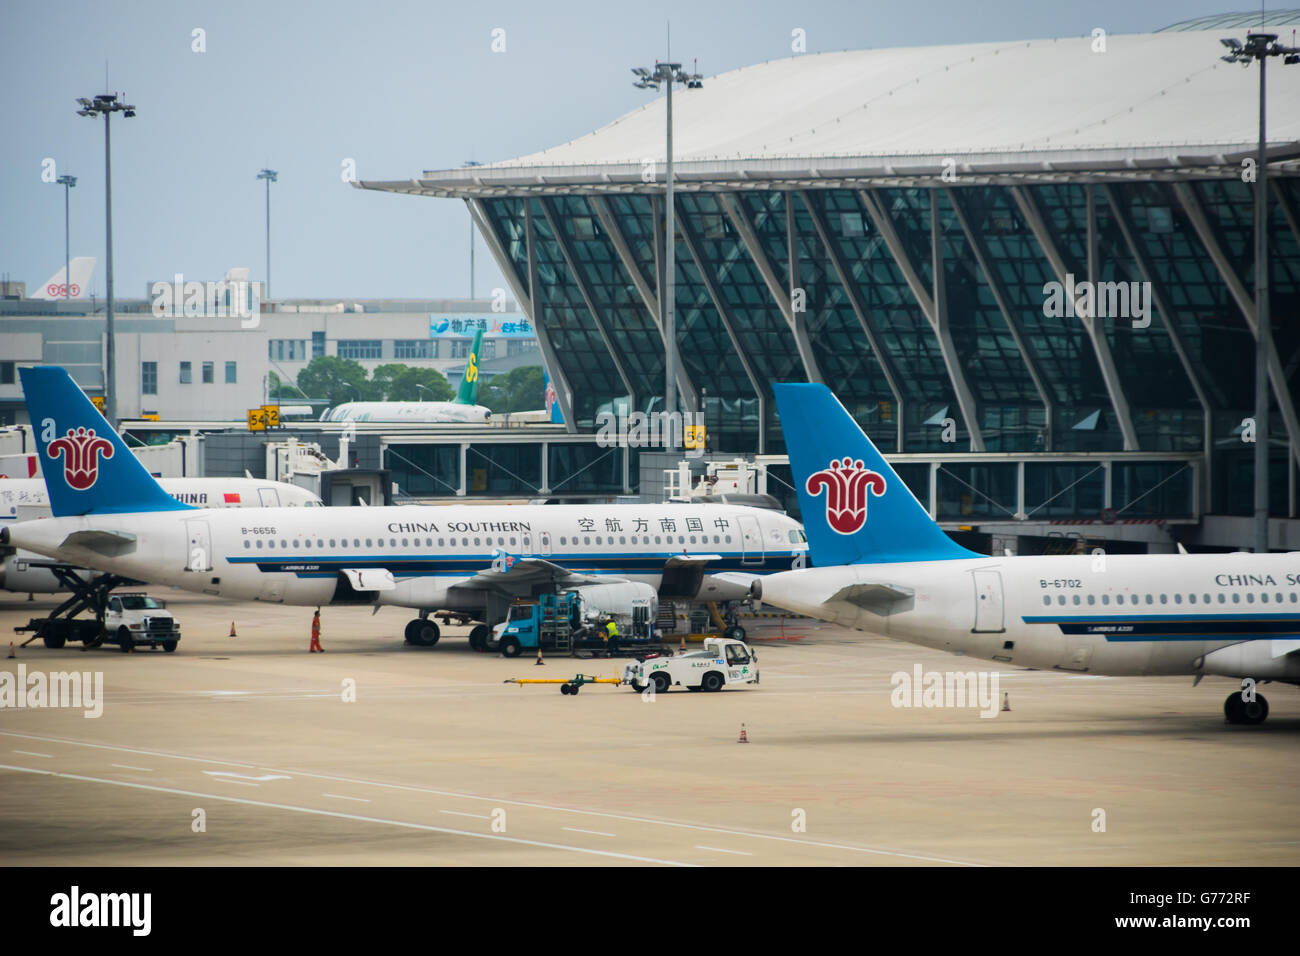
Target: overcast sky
x: 397, y: 86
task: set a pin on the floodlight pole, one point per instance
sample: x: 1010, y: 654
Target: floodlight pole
x: 670, y: 279
x: 67, y: 182
x: 270, y: 175
x: 1259, y: 47
x: 1263, y: 330
x: 108, y: 104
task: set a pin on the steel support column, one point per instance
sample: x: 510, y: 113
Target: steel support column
x: 991, y: 278
x: 874, y: 338
x: 563, y: 391
x: 925, y: 299
x: 1100, y: 344
x: 1276, y: 374
x: 685, y: 385
x: 758, y: 255
x: 596, y: 317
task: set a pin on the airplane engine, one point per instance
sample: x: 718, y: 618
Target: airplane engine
x: 1263, y: 659
x: 17, y: 575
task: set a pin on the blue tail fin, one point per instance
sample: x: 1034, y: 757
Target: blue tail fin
x: 87, y: 467
x: 856, y: 510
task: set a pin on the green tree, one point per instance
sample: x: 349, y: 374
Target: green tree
x: 402, y: 383
x: 519, y: 390
x: 337, y: 380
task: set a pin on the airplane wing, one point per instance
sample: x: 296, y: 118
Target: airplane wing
x: 516, y: 574
x: 877, y: 598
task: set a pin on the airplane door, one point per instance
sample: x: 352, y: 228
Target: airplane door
x: 545, y: 538
x: 988, y: 602
x: 198, y: 555
x: 751, y: 540
x: 269, y: 497
x: 528, y: 545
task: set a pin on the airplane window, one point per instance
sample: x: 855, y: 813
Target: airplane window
x: 1264, y: 597
x: 368, y: 544
x: 406, y: 542
x: 428, y: 542
x: 658, y: 540
x: 270, y: 544
x: 379, y: 542
x: 1250, y: 598
x: 622, y: 539
x: 1236, y: 598
x: 1076, y: 599
x: 562, y: 539
x: 1205, y: 598
x: 464, y: 542
x: 476, y: 544
x: 794, y: 538
x: 1092, y: 599
x: 1178, y: 598
x: 512, y: 542
x: 598, y: 539
x: 356, y: 542
x: 1105, y: 599
x: 247, y: 545
x: 1046, y: 600
x: 587, y: 540
x: 259, y: 544
x: 331, y: 542
x: 1278, y: 597
x: 1164, y: 599
x: 1293, y: 597
x: 1149, y: 599
x: 1060, y: 599
x: 295, y: 544
x: 728, y: 539
x: 392, y: 542
x: 1220, y: 598
x: 1191, y: 599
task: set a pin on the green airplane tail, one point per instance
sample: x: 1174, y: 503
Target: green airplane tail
x: 468, y: 394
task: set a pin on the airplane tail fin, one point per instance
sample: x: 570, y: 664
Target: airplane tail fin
x: 87, y: 467
x: 468, y: 394
x: 83, y: 267
x: 856, y: 510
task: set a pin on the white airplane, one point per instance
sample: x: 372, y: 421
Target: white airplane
x: 464, y: 410
x: 23, y: 499
x: 110, y: 515
x: 882, y: 565
x: 54, y: 287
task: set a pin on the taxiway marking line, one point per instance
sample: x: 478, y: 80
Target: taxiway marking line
x: 592, y: 832
x: 33, y: 753
x: 339, y: 796
x: 476, y: 816
x: 337, y: 814
x: 926, y: 858
x: 718, y: 849
x: 127, y: 766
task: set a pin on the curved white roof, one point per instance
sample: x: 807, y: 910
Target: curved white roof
x: 1145, y: 90
x: 1148, y: 101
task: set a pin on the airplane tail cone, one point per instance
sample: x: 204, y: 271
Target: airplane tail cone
x: 1006, y: 702
x: 744, y: 737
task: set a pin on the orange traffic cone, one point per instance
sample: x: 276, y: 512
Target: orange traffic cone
x: 232, y: 629
x: 1006, y: 702
x: 744, y: 737
x: 12, y: 654
x: 539, y: 661
x: 683, y: 647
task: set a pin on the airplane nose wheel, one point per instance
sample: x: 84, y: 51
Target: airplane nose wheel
x: 1238, y: 711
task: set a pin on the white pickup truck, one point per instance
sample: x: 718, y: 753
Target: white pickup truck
x: 721, y: 662
x: 134, y: 619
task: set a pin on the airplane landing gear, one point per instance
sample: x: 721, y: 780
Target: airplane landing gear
x: 478, y: 637
x: 422, y: 632
x: 1250, y: 712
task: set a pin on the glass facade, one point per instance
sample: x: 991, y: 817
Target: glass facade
x: 871, y: 274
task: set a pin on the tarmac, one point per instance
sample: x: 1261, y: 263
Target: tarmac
x: 248, y: 750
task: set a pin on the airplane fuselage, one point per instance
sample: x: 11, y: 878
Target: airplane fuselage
x: 296, y: 555
x: 1229, y: 614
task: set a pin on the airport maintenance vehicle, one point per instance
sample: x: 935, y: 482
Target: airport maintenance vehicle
x: 128, y: 619
x: 720, y: 662
x: 573, y: 620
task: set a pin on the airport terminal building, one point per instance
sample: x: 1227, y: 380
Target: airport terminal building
x: 913, y: 227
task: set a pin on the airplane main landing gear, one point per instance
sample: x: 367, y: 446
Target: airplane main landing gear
x: 422, y: 632
x: 1239, y: 711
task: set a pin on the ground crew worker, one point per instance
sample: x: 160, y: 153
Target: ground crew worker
x: 611, y: 637
x: 315, y: 633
